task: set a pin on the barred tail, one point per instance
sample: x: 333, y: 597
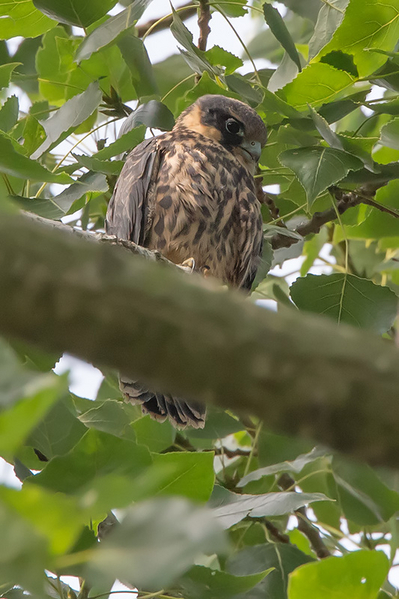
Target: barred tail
x: 160, y: 407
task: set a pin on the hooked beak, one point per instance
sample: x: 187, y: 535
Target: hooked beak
x: 253, y: 148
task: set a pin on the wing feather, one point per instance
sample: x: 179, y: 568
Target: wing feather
x: 128, y: 209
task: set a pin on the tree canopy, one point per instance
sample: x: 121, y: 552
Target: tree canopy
x: 248, y: 507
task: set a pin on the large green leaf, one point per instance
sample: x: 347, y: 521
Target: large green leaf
x: 367, y: 24
x: 23, y: 553
x: 62, y: 122
x: 155, y: 435
x: 22, y: 18
x: 204, y: 583
x: 107, y: 33
x: 96, y: 454
x: 15, y: 164
x: 317, y: 84
x: 157, y: 541
x: 346, y: 298
x: 74, y: 12
x: 283, y: 558
x: 192, y: 475
x: 329, y: 18
x: 9, y: 113
x: 317, y: 168
x: 267, y: 505
x: 358, y: 575
x: 152, y: 114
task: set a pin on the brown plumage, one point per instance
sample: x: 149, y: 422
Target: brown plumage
x: 190, y: 193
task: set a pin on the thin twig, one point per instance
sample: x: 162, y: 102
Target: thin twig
x: 286, y: 482
x: 345, y: 200
x: 165, y: 23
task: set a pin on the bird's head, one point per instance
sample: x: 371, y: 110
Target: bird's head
x: 230, y: 122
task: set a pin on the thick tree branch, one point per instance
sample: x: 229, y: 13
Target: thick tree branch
x: 302, y: 374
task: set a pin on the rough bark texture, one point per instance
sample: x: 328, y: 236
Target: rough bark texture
x: 302, y: 374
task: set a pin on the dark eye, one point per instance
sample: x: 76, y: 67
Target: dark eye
x: 233, y: 126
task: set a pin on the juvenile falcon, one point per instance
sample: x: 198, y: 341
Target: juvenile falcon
x: 190, y: 193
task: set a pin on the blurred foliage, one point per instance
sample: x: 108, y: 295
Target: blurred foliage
x: 220, y: 512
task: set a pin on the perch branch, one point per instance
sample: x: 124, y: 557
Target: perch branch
x: 203, y: 23
x: 301, y: 373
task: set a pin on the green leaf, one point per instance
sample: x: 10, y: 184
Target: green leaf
x: 74, y: 12
x: 218, y: 56
x: 16, y: 422
x: 364, y: 498
x: 329, y: 18
x: 194, y: 57
x: 155, y: 435
x: 346, y: 298
x: 283, y: 558
x: 218, y: 424
x: 317, y: 168
x: 367, y: 24
x: 192, y: 474
x: 390, y: 134
x: 9, y: 113
x: 267, y: 505
x: 89, y: 182
x: 295, y: 467
x: 96, y: 454
x: 55, y: 516
x: 204, y: 583
x: 22, y: 18
x: 107, y: 167
x: 42, y: 207
x: 23, y: 553
x: 245, y: 90
x: 109, y: 416
x: 125, y: 142
x: 152, y: 114
x: 318, y: 83
x: 280, y: 32
x: 312, y: 248
x: 108, y: 32
x: 58, y: 432
x: 358, y: 575
x: 136, y: 58
x: 6, y: 71
x: 325, y: 131
x: 157, y: 532
x: 62, y: 122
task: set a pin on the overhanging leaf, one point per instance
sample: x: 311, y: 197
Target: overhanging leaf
x: 22, y: 18
x: 267, y: 505
x: 75, y: 12
x: 62, y: 122
x: 15, y: 164
x: 280, y: 32
x: 347, y: 298
x: 317, y: 168
x: 152, y: 114
x: 204, y: 583
x: 163, y: 529
x: 108, y: 32
x: 390, y: 134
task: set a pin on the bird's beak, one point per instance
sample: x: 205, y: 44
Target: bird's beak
x: 253, y: 148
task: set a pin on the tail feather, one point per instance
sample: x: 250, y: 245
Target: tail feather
x: 160, y: 406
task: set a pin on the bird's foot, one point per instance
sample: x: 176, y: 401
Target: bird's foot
x: 188, y: 265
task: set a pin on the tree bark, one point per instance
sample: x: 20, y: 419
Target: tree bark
x: 302, y: 374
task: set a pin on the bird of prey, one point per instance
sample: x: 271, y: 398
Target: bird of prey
x: 190, y: 193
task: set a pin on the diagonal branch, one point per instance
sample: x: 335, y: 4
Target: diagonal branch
x: 345, y: 200
x: 301, y: 373
x: 203, y: 24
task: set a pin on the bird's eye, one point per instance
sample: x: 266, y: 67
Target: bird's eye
x: 233, y: 126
